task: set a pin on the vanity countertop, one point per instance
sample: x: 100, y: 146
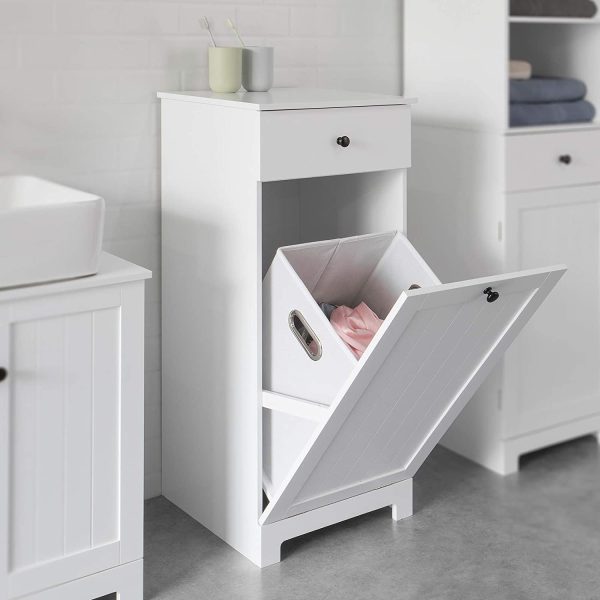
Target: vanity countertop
x: 288, y: 99
x: 111, y: 270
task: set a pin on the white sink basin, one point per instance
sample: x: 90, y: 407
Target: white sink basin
x: 47, y: 231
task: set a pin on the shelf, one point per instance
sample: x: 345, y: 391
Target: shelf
x: 556, y: 20
x: 553, y: 128
x: 297, y: 407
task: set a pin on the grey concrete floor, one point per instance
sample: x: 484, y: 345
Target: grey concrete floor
x: 474, y: 535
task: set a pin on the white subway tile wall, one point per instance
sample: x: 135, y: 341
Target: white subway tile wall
x: 78, y: 82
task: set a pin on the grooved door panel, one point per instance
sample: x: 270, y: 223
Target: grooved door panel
x: 552, y: 373
x: 434, y: 349
x: 64, y: 427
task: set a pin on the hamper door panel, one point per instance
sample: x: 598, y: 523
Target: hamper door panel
x: 423, y: 366
x: 411, y: 409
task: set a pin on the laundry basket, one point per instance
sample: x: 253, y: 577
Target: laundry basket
x: 303, y: 356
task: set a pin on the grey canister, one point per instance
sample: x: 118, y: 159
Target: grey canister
x: 257, y: 68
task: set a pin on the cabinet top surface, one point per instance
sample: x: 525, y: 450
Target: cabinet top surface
x: 287, y: 99
x: 111, y: 270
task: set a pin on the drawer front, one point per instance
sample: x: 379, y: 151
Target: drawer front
x: 546, y: 160
x: 304, y: 143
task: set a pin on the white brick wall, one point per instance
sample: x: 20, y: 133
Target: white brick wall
x: 77, y: 101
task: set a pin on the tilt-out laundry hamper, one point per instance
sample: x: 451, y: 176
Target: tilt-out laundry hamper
x: 244, y: 175
x: 334, y: 426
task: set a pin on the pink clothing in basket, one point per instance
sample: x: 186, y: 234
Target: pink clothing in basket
x: 356, y: 326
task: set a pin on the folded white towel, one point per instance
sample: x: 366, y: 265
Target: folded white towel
x: 519, y: 69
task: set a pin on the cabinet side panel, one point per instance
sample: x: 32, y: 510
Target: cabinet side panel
x: 455, y: 62
x: 132, y: 422
x: 457, y: 221
x: 211, y: 320
x: 456, y: 204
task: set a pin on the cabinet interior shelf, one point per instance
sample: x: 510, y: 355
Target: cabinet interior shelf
x: 556, y: 20
x: 553, y: 128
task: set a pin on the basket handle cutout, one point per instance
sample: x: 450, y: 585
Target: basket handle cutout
x: 305, y: 335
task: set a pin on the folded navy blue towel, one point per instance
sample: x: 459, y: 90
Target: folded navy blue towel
x: 551, y: 113
x: 547, y: 89
x: 553, y: 8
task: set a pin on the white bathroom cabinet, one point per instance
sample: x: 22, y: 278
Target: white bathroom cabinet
x: 71, y: 436
x: 246, y: 174
x: 485, y: 197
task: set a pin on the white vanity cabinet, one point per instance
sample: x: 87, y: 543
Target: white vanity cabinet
x: 71, y: 436
x: 486, y: 197
x: 244, y: 175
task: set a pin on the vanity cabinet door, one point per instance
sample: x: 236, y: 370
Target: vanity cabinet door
x: 65, y: 412
x: 552, y: 373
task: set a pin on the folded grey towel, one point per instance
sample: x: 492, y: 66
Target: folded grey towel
x: 547, y: 89
x: 553, y: 8
x: 551, y: 113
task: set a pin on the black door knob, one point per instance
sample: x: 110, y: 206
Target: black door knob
x: 565, y: 159
x: 3, y: 373
x: 491, y: 295
x: 343, y: 141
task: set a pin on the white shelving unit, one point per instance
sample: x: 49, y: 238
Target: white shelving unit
x: 245, y: 174
x: 506, y: 199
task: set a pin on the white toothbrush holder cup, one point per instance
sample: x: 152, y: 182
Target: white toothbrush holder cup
x: 257, y: 72
x: 224, y: 69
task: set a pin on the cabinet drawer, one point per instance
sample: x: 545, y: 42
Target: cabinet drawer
x: 304, y: 143
x: 552, y: 159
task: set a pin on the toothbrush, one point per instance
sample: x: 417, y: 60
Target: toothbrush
x: 234, y: 29
x: 206, y: 25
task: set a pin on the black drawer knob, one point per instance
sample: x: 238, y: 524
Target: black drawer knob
x: 343, y: 141
x: 565, y: 159
x: 491, y: 295
x: 3, y: 373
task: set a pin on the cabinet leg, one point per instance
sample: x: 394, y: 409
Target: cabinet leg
x: 270, y: 548
x: 403, y: 505
x: 510, y: 461
x: 132, y: 588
